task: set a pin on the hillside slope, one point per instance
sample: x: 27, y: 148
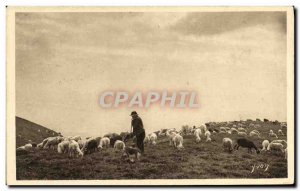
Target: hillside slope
x: 27, y: 130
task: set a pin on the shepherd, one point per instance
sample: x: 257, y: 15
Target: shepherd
x: 138, y: 130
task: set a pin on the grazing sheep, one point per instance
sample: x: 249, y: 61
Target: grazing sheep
x: 203, y: 128
x: 265, y: 145
x: 74, y: 149
x: 283, y: 142
x: 153, y: 138
x: 227, y: 128
x: 114, y: 138
x: 223, y: 129
x: 227, y: 144
x: 234, y: 126
x: 257, y: 126
x: 207, y: 135
x: 247, y: 144
x: 90, y: 146
x: 280, y: 132
x: 275, y: 147
x: 241, y: 129
x: 104, y: 143
x: 53, y: 142
x: 63, y: 147
x: 81, y: 143
x: 198, y: 134
x: 256, y: 131
x: 177, y: 141
x: 223, y: 132
x: 28, y: 146
x: 119, y: 145
x: 271, y: 134
x: 234, y: 130
x: 253, y: 133
x: 170, y: 136
x: 242, y: 133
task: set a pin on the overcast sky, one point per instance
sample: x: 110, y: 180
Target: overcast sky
x: 236, y: 62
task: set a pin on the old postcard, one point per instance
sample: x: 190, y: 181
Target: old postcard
x: 150, y: 96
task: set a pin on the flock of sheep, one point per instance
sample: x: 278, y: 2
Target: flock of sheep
x: 76, y: 146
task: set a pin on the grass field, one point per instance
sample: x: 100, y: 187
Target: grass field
x: 196, y: 161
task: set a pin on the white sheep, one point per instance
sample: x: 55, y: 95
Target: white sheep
x: 227, y: 144
x: 63, y: 147
x: 254, y: 133
x: 257, y: 126
x: 177, y: 141
x: 119, y: 145
x: 227, y: 128
x: 275, y: 147
x: 207, y: 134
x: 241, y: 129
x: 223, y: 129
x: 198, y: 134
x: 283, y: 142
x: 104, y: 143
x: 153, y: 138
x: 28, y: 146
x: 280, y: 132
x: 170, y: 136
x: 251, y: 125
x: 203, y: 128
x: 147, y: 140
x: 234, y: 130
x: 265, y: 145
x: 74, y: 149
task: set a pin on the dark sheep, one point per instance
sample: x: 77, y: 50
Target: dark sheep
x: 91, y: 146
x: 246, y: 144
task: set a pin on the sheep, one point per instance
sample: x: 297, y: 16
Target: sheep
x: 146, y: 140
x: 119, y: 145
x: 280, y: 132
x: 247, y: 144
x: 81, y: 143
x: 222, y: 132
x: 242, y: 133
x: 53, y: 141
x: 233, y: 130
x: 74, y: 149
x: 241, y: 129
x: 257, y: 126
x: 207, y: 134
x: 170, y: 136
x: 265, y: 145
x: 223, y: 129
x: 63, y: 147
x: 153, y: 138
x: 227, y: 144
x: 271, y: 134
x: 90, y: 146
x: 275, y: 147
x: 203, y: 128
x: 104, y: 142
x: 28, y: 146
x: 256, y: 131
x: 283, y: 142
x: 253, y: 133
x: 177, y: 141
x: 197, y: 134
x: 227, y: 128
x: 251, y: 125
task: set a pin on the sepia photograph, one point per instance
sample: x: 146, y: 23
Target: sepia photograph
x: 150, y: 96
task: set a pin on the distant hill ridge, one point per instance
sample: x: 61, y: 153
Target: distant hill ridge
x: 27, y: 130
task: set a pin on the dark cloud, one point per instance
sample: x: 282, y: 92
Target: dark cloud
x: 211, y: 23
